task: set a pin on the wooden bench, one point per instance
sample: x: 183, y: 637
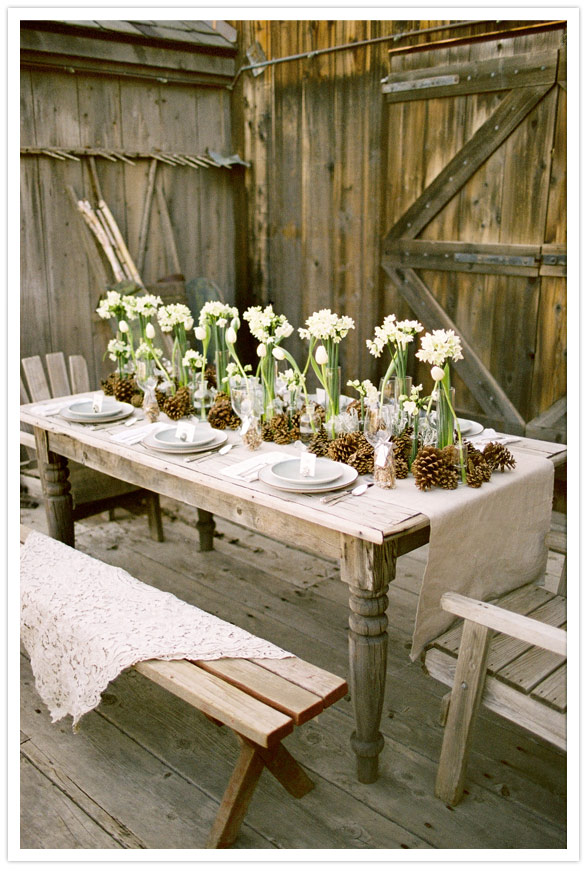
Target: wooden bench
x: 92, y: 492
x: 261, y: 700
x: 519, y: 672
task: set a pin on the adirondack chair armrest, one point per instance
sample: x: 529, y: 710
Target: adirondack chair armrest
x: 27, y: 439
x: 499, y: 619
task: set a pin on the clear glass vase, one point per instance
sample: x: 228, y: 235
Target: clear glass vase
x: 444, y: 415
x: 333, y: 382
x: 221, y: 360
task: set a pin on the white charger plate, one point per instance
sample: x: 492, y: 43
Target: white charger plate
x: 469, y: 427
x: 124, y: 410
x: 348, y: 476
x: 167, y: 438
x: 218, y: 439
x: 326, y: 471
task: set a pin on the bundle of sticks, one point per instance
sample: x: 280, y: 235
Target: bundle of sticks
x: 104, y: 227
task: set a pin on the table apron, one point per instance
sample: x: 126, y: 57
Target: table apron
x: 284, y: 527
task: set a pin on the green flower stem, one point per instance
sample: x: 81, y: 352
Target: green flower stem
x: 446, y: 390
x: 302, y: 380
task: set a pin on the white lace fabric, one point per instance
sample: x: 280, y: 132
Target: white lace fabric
x: 83, y: 622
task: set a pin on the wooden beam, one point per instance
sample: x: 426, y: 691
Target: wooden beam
x: 468, y: 257
x: 450, y: 80
x: 471, y: 369
x: 507, y: 117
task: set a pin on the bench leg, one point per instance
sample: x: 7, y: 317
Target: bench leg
x: 237, y: 797
x: 205, y: 526
x: 154, y: 515
x: 464, y: 703
x: 251, y: 761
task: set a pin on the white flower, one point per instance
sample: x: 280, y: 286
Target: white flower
x: 410, y: 407
x: 146, y: 352
x: 394, y: 333
x: 437, y: 373
x: 230, y: 335
x: 222, y: 322
x: 194, y: 359
x: 265, y: 325
x: 200, y: 333
x: 370, y: 392
x: 278, y: 354
x: 321, y: 355
x: 123, y: 327
x: 129, y: 303
x: 325, y: 324
x: 148, y: 304
x: 149, y: 331
x: 214, y: 309
x: 117, y: 349
x: 235, y: 323
x: 439, y: 346
x: 261, y: 350
x: 111, y: 306
x: 173, y: 315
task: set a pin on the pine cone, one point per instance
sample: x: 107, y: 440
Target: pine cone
x: 362, y: 460
x: 107, y: 384
x: 448, y: 479
x: 281, y: 430
x: 178, y: 406
x: 319, y: 443
x: 136, y: 400
x: 266, y: 431
x: 477, y: 465
x: 474, y: 476
x: 498, y: 456
x: 210, y: 376
x: 221, y: 415
x: 343, y: 447
x: 124, y: 389
x: 401, y: 467
x: 402, y: 443
x: 428, y: 468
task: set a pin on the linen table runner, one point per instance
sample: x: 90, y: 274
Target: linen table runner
x: 483, y: 542
x: 84, y: 622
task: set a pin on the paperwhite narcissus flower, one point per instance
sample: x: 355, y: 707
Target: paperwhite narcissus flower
x: 231, y: 336
x: 278, y: 354
x: 123, y: 327
x: 200, y: 333
x: 149, y: 331
x: 437, y: 373
x: 321, y: 355
x: 439, y: 346
x: 261, y: 350
x: 410, y: 407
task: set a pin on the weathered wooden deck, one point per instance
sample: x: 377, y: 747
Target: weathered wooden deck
x: 147, y: 771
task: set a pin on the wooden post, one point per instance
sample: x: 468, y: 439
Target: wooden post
x: 368, y: 568
x: 205, y: 526
x: 54, y: 473
x: 464, y: 703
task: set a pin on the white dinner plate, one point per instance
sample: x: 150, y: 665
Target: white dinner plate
x: 218, y: 438
x: 85, y: 408
x: 167, y: 438
x: 288, y: 471
x: 124, y: 410
x: 348, y: 476
x: 469, y: 427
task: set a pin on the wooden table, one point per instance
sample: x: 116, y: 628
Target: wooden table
x: 366, y: 536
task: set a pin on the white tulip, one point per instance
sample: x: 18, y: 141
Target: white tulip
x: 150, y: 331
x: 123, y: 327
x: 200, y: 333
x: 437, y: 373
x: 261, y: 350
x: 231, y: 336
x: 321, y: 356
x: 278, y: 354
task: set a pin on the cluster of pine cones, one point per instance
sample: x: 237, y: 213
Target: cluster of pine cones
x: 354, y: 450
x: 281, y: 429
x: 221, y: 415
x: 435, y: 467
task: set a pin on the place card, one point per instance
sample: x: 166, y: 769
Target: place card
x: 307, y: 464
x: 185, y: 431
x: 98, y: 402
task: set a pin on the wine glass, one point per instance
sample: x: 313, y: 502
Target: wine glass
x: 247, y: 398
x: 378, y: 424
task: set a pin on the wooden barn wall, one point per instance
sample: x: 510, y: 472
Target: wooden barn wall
x: 60, y: 286
x: 334, y: 166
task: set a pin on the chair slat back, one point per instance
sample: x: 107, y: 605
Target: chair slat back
x: 58, y: 377
x: 35, y: 376
x: 24, y: 397
x: 78, y: 374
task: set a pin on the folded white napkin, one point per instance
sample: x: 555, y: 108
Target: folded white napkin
x: 136, y: 433
x: 241, y: 470
x: 491, y: 435
x: 50, y: 408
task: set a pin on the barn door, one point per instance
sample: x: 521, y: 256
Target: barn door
x: 476, y: 209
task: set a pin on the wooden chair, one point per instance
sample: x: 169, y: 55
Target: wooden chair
x: 92, y: 491
x: 519, y: 672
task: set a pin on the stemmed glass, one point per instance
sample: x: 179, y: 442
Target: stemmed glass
x: 247, y: 400
x: 146, y: 377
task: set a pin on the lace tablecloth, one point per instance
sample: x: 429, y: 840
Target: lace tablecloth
x: 83, y: 622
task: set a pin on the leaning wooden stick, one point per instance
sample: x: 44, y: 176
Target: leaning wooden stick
x: 97, y: 229
x: 125, y: 253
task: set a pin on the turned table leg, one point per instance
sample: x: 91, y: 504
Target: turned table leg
x: 205, y: 526
x: 54, y: 473
x: 368, y: 568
